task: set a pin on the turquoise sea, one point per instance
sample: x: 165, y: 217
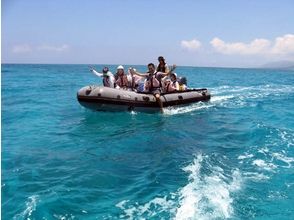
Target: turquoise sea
x: 229, y: 158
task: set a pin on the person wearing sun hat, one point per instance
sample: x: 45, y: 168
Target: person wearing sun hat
x: 108, y: 78
x: 121, y: 78
x: 172, y: 84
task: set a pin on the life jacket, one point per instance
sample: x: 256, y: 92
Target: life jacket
x: 182, y: 83
x: 122, y: 81
x: 152, y: 80
x: 161, y: 68
x: 106, y: 81
x: 182, y: 80
x: 159, y: 80
x: 171, y: 86
x: 183, y: 87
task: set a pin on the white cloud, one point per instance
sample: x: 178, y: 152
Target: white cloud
x: 191, y: 45
x: 23, y: 48
x: 61, y: 48
x: 284, y: 45
x: 281, y: 46
x: 257, y: 46
x: 26, y: 48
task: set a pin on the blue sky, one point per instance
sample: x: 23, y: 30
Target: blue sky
x: 232, y: 33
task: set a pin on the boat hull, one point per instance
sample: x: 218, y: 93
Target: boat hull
x: 99, y: 98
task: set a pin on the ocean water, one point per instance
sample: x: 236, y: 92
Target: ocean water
x: 229, y: 158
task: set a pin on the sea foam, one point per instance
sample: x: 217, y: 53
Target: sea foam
x: 31, y: 205
x: 205, y: 196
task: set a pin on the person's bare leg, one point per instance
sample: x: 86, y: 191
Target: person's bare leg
x: 158, y: 100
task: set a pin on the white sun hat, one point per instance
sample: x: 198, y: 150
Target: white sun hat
x: 120, y: 67
x: 174, y: 74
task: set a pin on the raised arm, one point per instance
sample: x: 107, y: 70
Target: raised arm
x: 95, y: 72
x: 172, y: 69
x: 169, y: 71
x: 134, y: 72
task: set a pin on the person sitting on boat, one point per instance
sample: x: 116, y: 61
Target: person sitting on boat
x: 172, y: 85
x: 108, y: 78
x: 136, y: 83
x: 151, y: 82
x: 121, y: 78
x: 152, y: 85
x: 182, y: 83
x: 152, y: 73
x: 162, y: 66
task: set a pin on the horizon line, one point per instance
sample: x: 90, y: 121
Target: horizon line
x: 107, y: 64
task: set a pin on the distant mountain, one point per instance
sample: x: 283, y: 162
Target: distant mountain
x: 280, y: 65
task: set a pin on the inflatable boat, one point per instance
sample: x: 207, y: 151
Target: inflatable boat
x: 101, y: 98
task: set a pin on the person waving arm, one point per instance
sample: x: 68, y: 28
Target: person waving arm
x: 95, y: 72
x: 134, y: 72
